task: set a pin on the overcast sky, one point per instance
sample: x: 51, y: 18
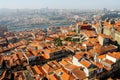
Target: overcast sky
x: 60, y: 4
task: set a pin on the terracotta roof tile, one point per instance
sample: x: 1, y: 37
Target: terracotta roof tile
x: 63, y: 75
x: 54, y: 64
x: 82, y: 24
x: 102, y: 56
x: 70, y: 67
x: 52, y: 77
x: 79, y: 74
x: 85, y: 63
x: 89, y: 33
x: 96, y: 25
x: 65, y: 61
x: 37, y: 70
x: 78, y: 56
x: 115, y: 55
x: 108, y: 61
x: 103, y: 49
x: 47, y: 69
x: 98, y: 64
x: 106, y: 24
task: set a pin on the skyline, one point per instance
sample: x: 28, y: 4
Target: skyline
x: 60, y: 4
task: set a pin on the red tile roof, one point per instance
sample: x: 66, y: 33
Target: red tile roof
x: 47, y: 69
x: 115, y: 55
x: 78, y: 56
x: 79, y: 74
x: 85, y: 63
x: 52, y: 77
x: 38, y: 70
x: 63, y: 75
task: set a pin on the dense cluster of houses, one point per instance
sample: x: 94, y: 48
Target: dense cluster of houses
x: 80, y: 52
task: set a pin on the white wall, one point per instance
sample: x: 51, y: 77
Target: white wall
x: 75, y: 61
x: 111, y: 58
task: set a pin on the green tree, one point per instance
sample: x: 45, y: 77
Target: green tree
x: 58, y: 42
x: 68, y: 39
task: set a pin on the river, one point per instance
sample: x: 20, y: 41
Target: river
x: 29, y: 27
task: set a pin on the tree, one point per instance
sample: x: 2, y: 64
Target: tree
x: 68, y: 39
x: 58, y: 42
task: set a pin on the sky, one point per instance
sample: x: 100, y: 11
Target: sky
x: 60, y: 4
